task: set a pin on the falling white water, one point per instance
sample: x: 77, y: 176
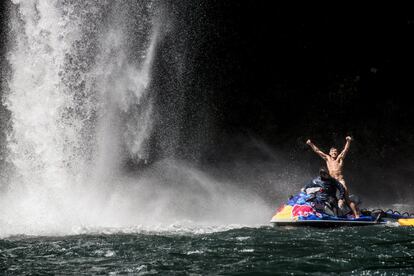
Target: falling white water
x: 37, y: 95
x: 127, y: 108
x: 81, y: 103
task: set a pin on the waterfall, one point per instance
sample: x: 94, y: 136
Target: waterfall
x: 80, y: 94
x: 125, y: 124
x: 78, y: 97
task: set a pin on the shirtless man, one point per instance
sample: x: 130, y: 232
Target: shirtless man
x: 335, y: 162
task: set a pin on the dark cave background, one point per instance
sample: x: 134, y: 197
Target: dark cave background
x: 262, y: 78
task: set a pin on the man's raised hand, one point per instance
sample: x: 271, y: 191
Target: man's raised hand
x: 348, y: 138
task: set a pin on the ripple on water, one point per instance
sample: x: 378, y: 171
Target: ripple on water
x: 366, y: 250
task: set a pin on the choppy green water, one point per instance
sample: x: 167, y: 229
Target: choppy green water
x: 365, y: 250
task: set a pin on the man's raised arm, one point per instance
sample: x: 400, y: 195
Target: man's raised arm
x: 346, y: 148
x: 317, y: 150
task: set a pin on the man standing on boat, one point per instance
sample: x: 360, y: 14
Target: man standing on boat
x: 335, y: 162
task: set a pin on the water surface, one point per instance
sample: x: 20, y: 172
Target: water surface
x: 354, y: 251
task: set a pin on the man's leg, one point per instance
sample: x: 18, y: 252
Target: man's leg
x: 350, y: 203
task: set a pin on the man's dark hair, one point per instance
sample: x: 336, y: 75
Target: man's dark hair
x: 323, y: 172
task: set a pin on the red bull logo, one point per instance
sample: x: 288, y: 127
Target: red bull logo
x: 302, y: 210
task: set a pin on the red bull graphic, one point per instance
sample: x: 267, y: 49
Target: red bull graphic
x: 302, y: 210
